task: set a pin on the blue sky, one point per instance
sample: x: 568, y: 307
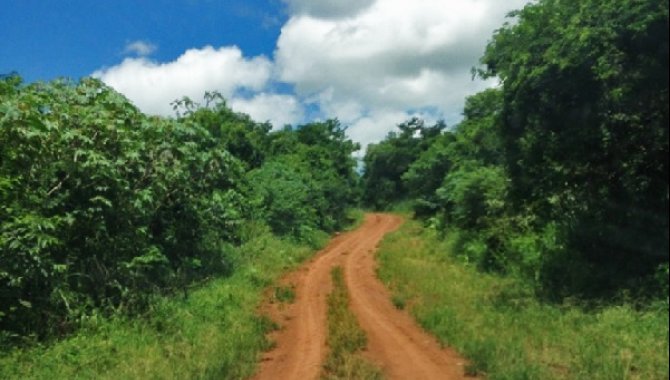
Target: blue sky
x: 370, y: 63
x: 44, y: 39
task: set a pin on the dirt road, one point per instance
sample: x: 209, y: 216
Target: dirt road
x: 395, y: 343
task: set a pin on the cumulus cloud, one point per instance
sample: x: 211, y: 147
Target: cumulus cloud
x: 387, y: 56
x: 139, y: 48
x: 366, y: 128
x: 278, y: 109
x: 370, y: 63
x: 152, y: 86
x: 328, y: 8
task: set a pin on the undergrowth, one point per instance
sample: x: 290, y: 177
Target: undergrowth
x: 498, y: 323
x: 213, y: 332
x: 346, y: 339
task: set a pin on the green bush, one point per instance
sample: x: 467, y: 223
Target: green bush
x: 285, y: 195
x: 102, y: 206
x: 474, y: 196
x: 506, y: 331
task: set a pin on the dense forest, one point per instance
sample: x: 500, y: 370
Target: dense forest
x: 560, y: 174
x: 557, y: 176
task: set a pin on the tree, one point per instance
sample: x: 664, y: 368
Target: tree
x: 473, y: 142
x: 584, y: 124
x: 101, y: 206
x: 285, y: 193
x: 387, y: 161
x: 242, y: 137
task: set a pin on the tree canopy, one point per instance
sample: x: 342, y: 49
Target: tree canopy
x: 562, y: 171
x: 102, y: 206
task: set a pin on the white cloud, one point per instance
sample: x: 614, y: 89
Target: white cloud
x: 278, y: 109
x: 387, y: 57
x: 152, y: 86
x: 370, y: 63
x: 373, y: 127
x: 140, y: 48
x: 328, y: 8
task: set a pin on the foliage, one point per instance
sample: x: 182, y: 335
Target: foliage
x: 285, y: 192
x: 386, y: 162
x: 472, y: 143
x: 329, y: 155
x: 101, y: 204
x: 584, y: 124
x: 309, y: 179
x: 214, y: 333
x: 560, y: 174
x: 239, y: 135
x: 103, y: 207
x: 473, y: 197
x: 498, y: 323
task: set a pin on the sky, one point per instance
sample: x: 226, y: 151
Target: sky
x: 371, y: 63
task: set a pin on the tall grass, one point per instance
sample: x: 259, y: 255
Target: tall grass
x: 346, y: 339
x: 214, y: 332
x: 506, y: 332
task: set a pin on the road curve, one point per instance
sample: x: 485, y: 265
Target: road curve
x: 395, y: 343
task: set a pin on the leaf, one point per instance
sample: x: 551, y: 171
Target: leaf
x: 102, y: 200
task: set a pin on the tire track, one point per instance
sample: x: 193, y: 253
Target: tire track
x: 395, y: 343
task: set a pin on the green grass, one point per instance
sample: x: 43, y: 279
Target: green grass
x: 507, y: 334
x: 355, y: 218
x: 345, y: 338
x: 284, y: 294
x: 213, y: 333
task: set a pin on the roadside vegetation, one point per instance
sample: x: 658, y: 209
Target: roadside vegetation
x: 497, y: 322
x: 558, y: 176
x: 134, y: 245
x: 543, y: 251
x: 212, y: 333
x: 345, y: 339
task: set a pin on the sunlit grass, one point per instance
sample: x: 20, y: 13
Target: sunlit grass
x: 346, y: 339
x: 213, y: 333
x: 508, y: 334
x: 355, y: 218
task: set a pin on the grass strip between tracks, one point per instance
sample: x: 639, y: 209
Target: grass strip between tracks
x: 346, y: 339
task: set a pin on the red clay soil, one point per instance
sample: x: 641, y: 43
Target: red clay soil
x: 395, y: 343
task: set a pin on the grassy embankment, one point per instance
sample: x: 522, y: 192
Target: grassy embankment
x: 506, y: 332
x: 345, y: 338
x: 212, y: 333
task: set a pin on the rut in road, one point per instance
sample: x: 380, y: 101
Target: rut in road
x: 395, y: 343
